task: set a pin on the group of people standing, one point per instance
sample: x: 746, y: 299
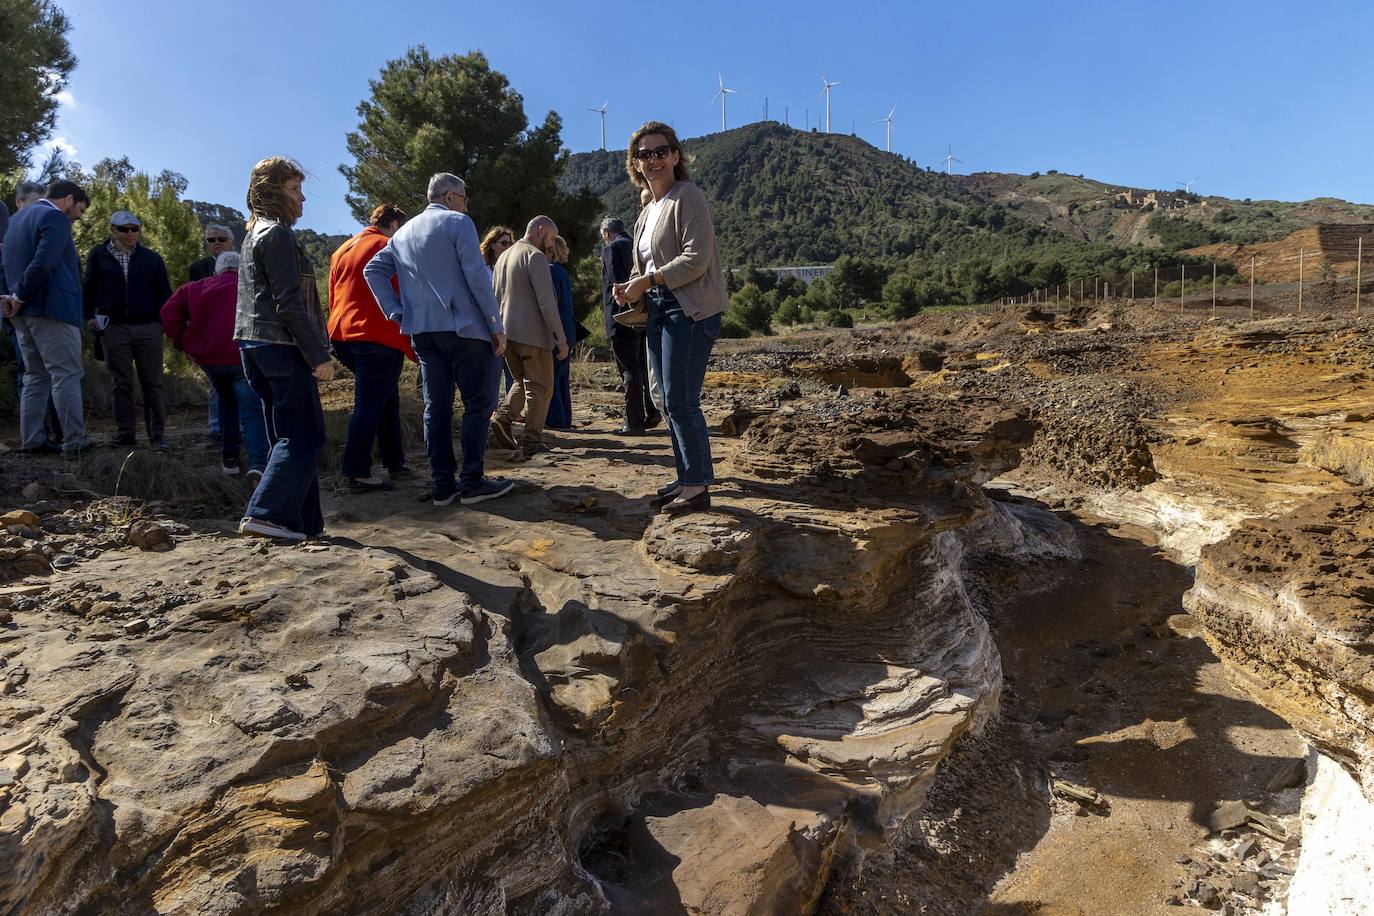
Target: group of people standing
x: 421, y: 288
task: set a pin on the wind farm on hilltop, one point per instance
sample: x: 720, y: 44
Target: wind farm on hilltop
x: 723, y: 93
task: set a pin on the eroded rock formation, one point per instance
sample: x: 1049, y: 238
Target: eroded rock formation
x: 1288, y: 603
x: 562, y: 705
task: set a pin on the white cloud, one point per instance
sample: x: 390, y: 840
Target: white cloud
x: 58, y: 143
x: 65, y: 99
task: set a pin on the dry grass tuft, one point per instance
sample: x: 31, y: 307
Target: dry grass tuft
x: 143, y: 474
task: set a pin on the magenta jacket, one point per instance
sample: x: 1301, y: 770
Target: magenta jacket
x: 199, y: 318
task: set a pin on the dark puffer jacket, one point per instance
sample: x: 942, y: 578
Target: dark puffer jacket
x: 135, y: 300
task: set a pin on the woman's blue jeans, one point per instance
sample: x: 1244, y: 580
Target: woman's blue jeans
x: 239, y: 413
x: 289, y: 492
x: 376, y: 413
x: 680, y: 349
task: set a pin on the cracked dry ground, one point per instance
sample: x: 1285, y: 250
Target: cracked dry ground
x: 561, y: 703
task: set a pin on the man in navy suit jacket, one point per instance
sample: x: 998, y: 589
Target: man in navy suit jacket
x: 42, y: 277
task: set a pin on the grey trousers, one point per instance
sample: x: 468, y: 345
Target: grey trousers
x: 129, y: 347
x: 52, y: 369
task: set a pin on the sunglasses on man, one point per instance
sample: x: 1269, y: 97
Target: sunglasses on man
x: 658, y: 152
x: 127, y: 228
x: 215, y: 239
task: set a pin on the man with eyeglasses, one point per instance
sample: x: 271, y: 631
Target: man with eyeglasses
x: 446, y: 306
x: 126, y: 285
x: 218, y: 239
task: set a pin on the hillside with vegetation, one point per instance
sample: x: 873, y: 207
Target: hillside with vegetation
x: 901, y: 237
x: 1116, y: 214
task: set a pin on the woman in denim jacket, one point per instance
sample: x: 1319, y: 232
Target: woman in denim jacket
x: 281, y: 333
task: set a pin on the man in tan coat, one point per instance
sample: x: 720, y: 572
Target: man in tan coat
x: 534, y: 333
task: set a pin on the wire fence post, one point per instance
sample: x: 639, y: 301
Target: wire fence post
x: 1300, y: 258
x: 1156, y: 287
x: 1359, y: 264
x: 1252, y: 286
x: 1214, y: 290
x: 1182, y: 285
x: 1133, y: 284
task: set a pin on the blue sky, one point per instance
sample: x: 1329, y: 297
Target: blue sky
x: 1259, y: 99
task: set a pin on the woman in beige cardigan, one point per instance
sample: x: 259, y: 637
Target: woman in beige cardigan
x: 677, y: 273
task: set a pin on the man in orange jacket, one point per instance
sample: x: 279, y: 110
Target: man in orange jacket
x: 374, y: 349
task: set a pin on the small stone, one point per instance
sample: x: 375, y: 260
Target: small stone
x: 1183, y: 859
x: 297, y: 681
x: 21, y: 518
x: 1247, y: 883
x: 31, y: 491
x: 63, y: 561
x: 1207, y: 896
x: 1247, y: 848
x: 1289, y: 775
x: 146, y: 534
x: 135, y: 627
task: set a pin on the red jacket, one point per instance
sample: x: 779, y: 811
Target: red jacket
x: 199, y: 318
x: 353, y: 311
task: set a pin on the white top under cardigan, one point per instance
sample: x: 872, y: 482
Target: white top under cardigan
x: 653, y: 211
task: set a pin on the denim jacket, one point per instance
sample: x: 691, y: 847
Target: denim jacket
x: 278, y: 301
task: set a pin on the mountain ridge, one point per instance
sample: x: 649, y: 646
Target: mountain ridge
x: 786, y: 196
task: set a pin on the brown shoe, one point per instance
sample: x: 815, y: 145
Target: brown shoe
x: 501, y: 434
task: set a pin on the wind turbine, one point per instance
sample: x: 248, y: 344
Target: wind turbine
x: 602, y: 111
x: 950, y: 160
x: 826, y: 92
x: 888, y: 121
x: 721, y: 94
x: 1188, y: 185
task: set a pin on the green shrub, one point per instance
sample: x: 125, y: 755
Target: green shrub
x: 839, y: 318
x: 731, y: 327
x: 790, y: 312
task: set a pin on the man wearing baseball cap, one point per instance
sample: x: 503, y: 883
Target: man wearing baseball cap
x: 126, y: 285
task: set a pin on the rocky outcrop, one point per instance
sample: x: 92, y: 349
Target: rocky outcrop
x: 562, y: 705
x: 286, y: 728
x: 1288, y: 605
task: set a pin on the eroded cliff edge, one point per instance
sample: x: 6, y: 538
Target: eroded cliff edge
x: 1288, y: 603
x: 563, y: 705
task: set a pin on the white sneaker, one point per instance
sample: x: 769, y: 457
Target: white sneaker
x: 261, y: 528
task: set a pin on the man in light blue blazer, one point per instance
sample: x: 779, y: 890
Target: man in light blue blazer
x: 447, y: 307
x: 42, y: 280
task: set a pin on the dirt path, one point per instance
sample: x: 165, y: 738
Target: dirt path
x: 1099, y: 693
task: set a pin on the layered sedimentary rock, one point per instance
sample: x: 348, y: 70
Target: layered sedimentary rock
x: 563, y: 705
x: 1288, y: 604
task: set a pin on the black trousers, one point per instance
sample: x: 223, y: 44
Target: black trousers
x: 631, y: 357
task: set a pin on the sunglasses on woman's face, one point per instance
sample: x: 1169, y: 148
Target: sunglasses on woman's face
x: 658, y: 152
